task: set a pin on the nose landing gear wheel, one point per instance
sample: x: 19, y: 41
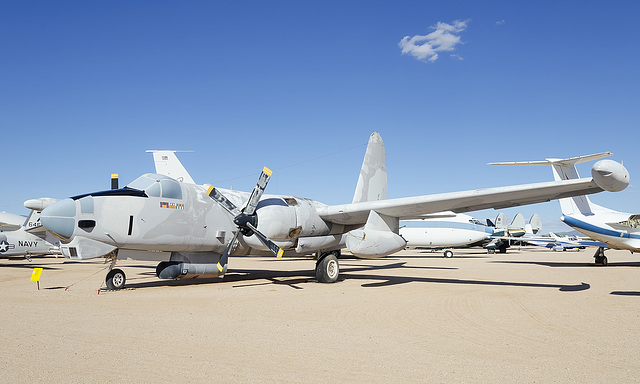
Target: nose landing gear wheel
x: 327, y: 269
x: 115, y: 279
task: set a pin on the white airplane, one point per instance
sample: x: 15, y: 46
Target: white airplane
x: 30, y: 239
x: 447, y: 230
x: 561, y: 243
x: 193, y: 229
x: 618, y: 230
x: 444, y: 231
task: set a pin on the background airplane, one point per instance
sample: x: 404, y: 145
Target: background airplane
x: 619, y: 230
x: 30, y: 238
x: 449, y: 230
x: 193, y: 229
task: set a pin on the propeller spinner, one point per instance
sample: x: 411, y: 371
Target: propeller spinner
x: 245, y: 219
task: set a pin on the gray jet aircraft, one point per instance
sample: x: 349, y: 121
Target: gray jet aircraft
x: 193, y: 229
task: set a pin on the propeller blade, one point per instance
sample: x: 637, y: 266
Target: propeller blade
x: 252, y: 203
x: 224, y: 258
x: 223, y: 201
x: 114, y: 181
x: 277, y: 251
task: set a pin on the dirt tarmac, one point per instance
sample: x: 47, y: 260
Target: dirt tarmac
x: 527, y: 316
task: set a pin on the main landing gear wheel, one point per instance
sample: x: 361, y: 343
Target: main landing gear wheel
x: 448, y: 253
x: 327, y: 269
x: 601, y: 259
x: 115, y: 279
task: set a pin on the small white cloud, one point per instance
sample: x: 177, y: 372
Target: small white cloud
x: 500, y: 22
x: 444, y: 38
x: 456, y: 56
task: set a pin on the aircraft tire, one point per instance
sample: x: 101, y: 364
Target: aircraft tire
x: 448, y: 253
x: 115, y: 279
x: 327, y: 269
x: 601, y: 260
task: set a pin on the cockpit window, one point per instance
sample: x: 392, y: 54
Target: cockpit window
x: 171, y: 189
x: 156, y: 185
x: 153, y: 190
x: 143, y: 182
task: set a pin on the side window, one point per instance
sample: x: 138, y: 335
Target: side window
x: 86, y: 204
x: 153, y: 190
x: 171, y: 189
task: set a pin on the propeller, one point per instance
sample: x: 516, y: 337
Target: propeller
x: 114, y: 181
x: 245, y: 219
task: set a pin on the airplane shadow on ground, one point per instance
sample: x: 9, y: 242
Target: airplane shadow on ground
x: 296, y: 278
x: 565, y: 264
x: 625, y: 293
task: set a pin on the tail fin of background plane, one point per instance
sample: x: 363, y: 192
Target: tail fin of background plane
x: 33, y: 221
x: 565, y: 169
x: 372, y: 182
x: 517, y: 223
x: 167, y: 164
x: 501, y: 221
x: 535, y: 223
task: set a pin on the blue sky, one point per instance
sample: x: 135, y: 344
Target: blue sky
x: 87, y: 87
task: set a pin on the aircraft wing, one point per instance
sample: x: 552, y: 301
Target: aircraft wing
x: 10, y: 221
x: 465, y: 201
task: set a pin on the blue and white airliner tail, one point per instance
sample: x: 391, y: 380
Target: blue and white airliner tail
x: 618, y: 230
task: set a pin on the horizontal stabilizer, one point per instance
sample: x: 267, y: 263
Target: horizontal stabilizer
x: 569, y: 161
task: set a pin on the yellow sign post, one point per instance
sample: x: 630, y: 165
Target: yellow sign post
x: 35, y: 275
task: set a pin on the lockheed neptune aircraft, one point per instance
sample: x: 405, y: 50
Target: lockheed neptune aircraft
x: 193, y: 229
x: 618, y: 230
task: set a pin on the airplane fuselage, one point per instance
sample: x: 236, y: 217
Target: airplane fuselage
x: 429, y: 233
x: 596, y: 227
x: 22, y: 243
x: 169, y: 216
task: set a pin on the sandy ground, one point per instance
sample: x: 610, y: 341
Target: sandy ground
x: 525, y: 316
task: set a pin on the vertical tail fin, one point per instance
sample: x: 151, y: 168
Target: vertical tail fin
x: 535, y: 223
x: 167, y: 164
x: 501, y: 221
x: 372, y: 182
x: 517, y: 223
x: 33, y: 221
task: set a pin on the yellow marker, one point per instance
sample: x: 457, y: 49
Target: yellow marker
x: 35, y: 275
x: 209, y: 189
x: 280, y: 252
x: 267, y: 171
x: 220, y: 268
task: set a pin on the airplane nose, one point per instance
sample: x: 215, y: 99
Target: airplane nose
x: 59, y: 218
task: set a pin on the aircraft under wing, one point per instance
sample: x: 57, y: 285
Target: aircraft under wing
x: 464, y: 201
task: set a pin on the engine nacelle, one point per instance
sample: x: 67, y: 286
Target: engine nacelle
x: 610, y: 175
x: 368, y: 243
x: 277, y: 222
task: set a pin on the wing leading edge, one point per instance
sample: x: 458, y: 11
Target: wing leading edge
x: 464, y: 201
